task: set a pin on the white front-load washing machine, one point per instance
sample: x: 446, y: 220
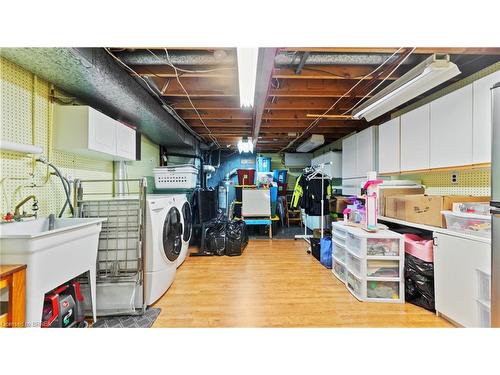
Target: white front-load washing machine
x: 187, y: 227
x: 163, y: 245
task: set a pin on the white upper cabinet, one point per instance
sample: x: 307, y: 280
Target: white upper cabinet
x: 333, y: 170
x: 101, y: 131
x: 349, y: 157
x: 415, y: 139
x: 388, y: 146
x: 451, y: 129
x: 481, y: 111
x: 366, y: 151
x: 125, y: 142
x: 88, y: 132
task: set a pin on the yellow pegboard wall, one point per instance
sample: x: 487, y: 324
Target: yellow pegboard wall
x: 475, y: 182
x: 25, y: 106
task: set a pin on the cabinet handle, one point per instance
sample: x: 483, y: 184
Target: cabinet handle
x: 434, y: 241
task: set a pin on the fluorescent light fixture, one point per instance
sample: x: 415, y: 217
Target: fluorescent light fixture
x: 245, y: 146
x: 430, y: 73
x: 247, y: 74
x: 316, y: 140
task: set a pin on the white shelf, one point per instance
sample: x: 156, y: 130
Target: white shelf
x: 434, y: 229
x: 382, y: 278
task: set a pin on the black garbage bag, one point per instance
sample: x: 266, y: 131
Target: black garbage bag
x: 419, y: 282
x: 236, y: 237
x: 216, y: 236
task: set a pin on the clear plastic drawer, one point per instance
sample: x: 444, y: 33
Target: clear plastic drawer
x: 354, y: 283
x: 484, y: 315
x: 339, y: 252
x: 354, y: 265
x: 382, y: 268
x: 388, y: 247
x: 339, y: 270
x: 382, y: 289
x: 354, y: 243
x: 484, y: 284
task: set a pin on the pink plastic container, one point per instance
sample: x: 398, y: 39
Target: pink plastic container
x: 418, y: 247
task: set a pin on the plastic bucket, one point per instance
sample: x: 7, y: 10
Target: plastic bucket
x: 246, y: 176
x: 279, y: 175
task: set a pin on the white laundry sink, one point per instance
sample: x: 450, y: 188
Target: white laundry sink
x: 53, y: 257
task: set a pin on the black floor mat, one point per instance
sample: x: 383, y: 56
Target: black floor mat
x: 129, y: 321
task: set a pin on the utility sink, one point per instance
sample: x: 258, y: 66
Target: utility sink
x: 53, y: 256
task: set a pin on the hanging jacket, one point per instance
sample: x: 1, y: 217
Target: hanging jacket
x: 297, y: 192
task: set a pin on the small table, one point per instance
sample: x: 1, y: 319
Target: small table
x: 13, y: 312
x: 262, y: 221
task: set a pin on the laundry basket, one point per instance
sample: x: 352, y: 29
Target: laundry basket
x: 176, y: 177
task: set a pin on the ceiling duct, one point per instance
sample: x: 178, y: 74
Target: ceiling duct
x: 177, y: 58
x: 282, y: 59
x: 94, y: 77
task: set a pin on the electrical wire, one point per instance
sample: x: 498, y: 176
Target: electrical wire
x: 169, y: 63
x: 148, y: 86
x: 380, y: 83
x: 315, y: 121
x: 212, y: 137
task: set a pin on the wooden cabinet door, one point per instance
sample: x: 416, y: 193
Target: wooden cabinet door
x: 451, y: 129
x: 388, y: 147
x: 415, y: 136
x: 481, y: 123
x: 456, y: 261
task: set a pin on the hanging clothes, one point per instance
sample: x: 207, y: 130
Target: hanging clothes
x: 307, y: 194
x: 313, y: 195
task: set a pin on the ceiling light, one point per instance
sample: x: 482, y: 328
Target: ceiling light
x: 247, y: 73
x: 314, y: 141
x: 245, y: 145
x: 428, y: 74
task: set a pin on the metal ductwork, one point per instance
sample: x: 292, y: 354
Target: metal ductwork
x: 178, y: 58
x: 282, y: 59
x: 94, y: 77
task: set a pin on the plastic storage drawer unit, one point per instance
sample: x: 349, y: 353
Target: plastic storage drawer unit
x: 354, y: 265
x: 472, y: 224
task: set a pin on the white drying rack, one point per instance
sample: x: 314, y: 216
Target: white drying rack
x: 319, y: 168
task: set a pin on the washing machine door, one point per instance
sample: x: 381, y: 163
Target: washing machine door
x: 172, y: 234
x: 187, y: 221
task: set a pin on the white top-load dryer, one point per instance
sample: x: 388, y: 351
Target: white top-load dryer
x: 163, y: 245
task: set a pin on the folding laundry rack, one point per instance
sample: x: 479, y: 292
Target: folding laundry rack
x: 120, y: 279
x: 319, y: 168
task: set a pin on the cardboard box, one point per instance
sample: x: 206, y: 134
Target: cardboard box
x: 388, y: 192
x: 421, y: 209
x: 449, y: 200
x: 338, y: 204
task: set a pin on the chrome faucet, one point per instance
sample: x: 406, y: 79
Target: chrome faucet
x: 18, y: 216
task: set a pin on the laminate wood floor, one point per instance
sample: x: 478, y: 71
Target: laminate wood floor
x: 274, y: 284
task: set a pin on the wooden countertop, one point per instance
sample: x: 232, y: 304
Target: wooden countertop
x: 7, y: 269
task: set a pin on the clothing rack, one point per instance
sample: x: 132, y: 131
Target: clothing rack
x: 316, y: 169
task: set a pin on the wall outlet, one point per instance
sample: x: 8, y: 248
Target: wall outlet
x: 454, y: 178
